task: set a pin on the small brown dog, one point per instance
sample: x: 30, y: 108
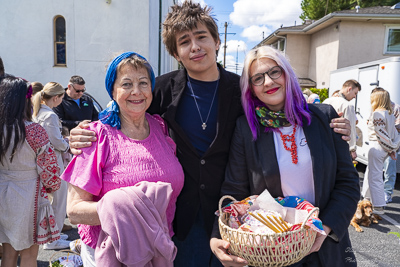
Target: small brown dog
x: 364, y: 215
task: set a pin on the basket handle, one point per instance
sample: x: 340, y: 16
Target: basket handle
x: 308, y: 216
x: 59, y: 252
x: 221, y: 200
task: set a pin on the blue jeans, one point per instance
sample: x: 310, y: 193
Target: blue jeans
x: 390, y: 175
x: 195, y: 250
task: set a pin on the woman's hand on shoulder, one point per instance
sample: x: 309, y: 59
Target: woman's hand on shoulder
x: 341, y: 126
x: 220, y: 247
x: 79, y: 137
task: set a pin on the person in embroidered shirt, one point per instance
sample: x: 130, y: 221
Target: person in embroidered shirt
x: 28, y: 171
x: 342, y: 103
x: 132, y: 146
x: 384, y: 142
x: 389, y: 168
x: 43, y: 101
x: 286, y: 146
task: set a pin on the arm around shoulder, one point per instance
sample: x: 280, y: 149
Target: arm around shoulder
x: 345, y: 192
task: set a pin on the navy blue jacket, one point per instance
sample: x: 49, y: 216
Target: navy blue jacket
x: 203, y: 175
x: 71, y: 114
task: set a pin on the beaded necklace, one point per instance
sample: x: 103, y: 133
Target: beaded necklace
x: 290, y: 138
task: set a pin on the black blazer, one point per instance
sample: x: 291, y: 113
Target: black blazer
x: 253, y: 167
x: 203, y: 175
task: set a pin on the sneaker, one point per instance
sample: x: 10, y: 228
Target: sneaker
x: 58, y: 244
x: 388, y: 198
x: 63, y: 236
x: 379, y: 210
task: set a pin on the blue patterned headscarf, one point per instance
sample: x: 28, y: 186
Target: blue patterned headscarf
x: 110, y: 115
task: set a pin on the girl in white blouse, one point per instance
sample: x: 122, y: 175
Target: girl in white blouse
x: 384, y: 141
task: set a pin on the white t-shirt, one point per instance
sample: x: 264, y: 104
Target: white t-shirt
x: 296, y: 179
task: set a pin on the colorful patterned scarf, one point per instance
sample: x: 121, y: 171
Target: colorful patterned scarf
x: 274, y: 119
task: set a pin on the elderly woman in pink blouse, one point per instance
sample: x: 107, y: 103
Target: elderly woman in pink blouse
x: 132, y: 146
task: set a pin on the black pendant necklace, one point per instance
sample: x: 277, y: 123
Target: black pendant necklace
x: 204, y: 123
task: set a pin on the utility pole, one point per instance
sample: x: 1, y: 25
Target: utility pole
x: 237, y: 53
x: 226, y: 26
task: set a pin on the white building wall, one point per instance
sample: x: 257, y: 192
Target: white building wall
x: 95, y: 33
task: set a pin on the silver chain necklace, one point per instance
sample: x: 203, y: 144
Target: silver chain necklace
x: 204, y: 123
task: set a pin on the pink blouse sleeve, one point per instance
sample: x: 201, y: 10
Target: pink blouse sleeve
x: 85, y: 170
x: 46, y: 159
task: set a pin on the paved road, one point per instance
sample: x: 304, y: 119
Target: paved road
x: 373, y: 247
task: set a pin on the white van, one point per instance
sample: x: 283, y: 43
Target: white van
x: 384, y: 73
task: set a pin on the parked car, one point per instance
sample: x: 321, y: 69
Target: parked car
x: 96, y: 104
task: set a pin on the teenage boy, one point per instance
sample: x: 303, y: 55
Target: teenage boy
x: 200, y: 104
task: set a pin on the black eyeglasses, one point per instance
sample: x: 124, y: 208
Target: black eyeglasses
x: 78, y: 91
x: 274, y: 73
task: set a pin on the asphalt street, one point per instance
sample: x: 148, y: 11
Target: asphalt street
x: 378, y: 245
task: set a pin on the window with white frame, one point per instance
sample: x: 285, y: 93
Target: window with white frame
x: 392, y: 39
x: 280, y: 45
x: 60, y: 54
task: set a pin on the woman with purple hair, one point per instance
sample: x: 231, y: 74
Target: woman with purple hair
x: 286, y: 146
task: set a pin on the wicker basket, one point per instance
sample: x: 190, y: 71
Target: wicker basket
x: 280, y: 249
x: 58, y: 254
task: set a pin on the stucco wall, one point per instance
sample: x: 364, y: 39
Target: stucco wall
x: 298, y: 52
x: 361, y: 42
x: 95, y: 32
x: 323, y: 55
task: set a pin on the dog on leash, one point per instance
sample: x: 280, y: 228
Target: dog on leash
x: 364, y: 215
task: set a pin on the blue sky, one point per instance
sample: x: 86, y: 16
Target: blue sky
x: 248, y: 21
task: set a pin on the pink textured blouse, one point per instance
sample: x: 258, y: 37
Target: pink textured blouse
x: 115, y: 161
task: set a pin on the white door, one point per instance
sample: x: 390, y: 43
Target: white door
x: 368, y: 78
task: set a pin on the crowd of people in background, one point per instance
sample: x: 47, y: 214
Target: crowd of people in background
x: 383, y: 138
x: 175, y: 144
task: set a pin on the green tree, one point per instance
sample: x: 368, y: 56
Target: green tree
x: 316, y: 9
x: 369, y: 3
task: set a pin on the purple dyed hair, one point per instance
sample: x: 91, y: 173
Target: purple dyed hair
x: 295, y: 105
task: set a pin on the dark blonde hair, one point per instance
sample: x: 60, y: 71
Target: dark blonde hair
x: 50, y: 90
x: 185, y: 17
x: 380, y: 98
x: 36, y: 87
